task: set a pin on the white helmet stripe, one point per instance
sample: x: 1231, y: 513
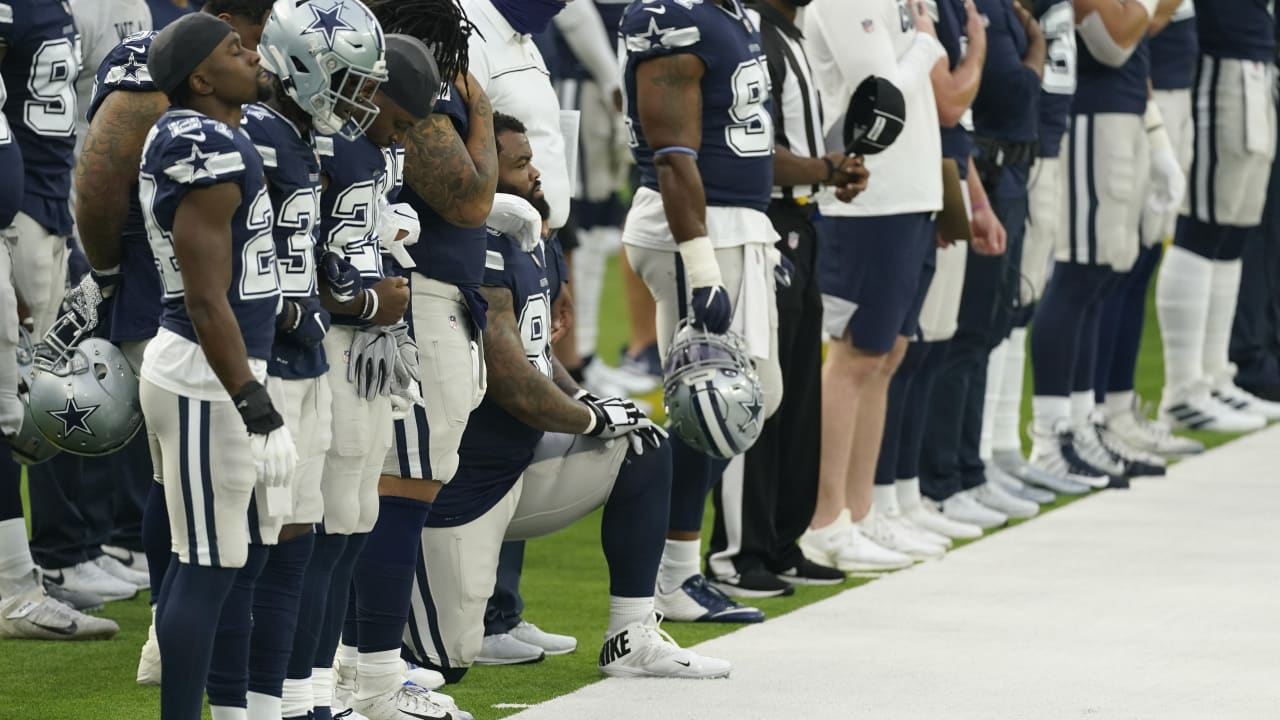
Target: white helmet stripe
x: 712, y: 421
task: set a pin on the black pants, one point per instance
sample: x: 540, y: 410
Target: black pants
x: 779, y: 486
x: 949, y: 461
x: 1255, y: 335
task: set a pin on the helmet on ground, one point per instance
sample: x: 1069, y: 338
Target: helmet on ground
x: 29, y: 446
x: 330, y: 56
x: 711, y: 392
x: 84, y: 399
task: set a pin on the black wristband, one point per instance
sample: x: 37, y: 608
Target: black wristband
x: 831, y: 170
x: 255, y: 408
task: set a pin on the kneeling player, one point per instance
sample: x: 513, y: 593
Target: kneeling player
x: 538, y: 455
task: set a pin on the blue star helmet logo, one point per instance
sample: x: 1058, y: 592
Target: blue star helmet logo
x: 327, y: 22
x: 73, y: 417
x: 753, y: 408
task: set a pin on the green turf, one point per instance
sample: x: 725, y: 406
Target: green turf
x: 565, y: 588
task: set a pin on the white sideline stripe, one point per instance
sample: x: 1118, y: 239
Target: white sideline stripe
x: 1158, y: 602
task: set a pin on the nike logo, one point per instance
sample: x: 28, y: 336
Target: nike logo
x: 682, y: 662
x: 660, y: 10
x: 67, y: 630
x: 136, y: 48
x: 197, y: 137
x: 58, y: 580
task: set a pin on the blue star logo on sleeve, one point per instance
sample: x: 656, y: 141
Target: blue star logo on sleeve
x: 327, y: 22
x: 656, y: 35
x: 73, y: 417
x: 198, y: 163
x: 132, y: 68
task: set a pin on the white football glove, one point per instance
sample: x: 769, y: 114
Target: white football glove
x: 405, y: 391
x: 274, y: 456
x: 513, y: 215
x: 373, y: 357
x: 1168, y: 184
x: 394, y: 220
x: 618, y: 417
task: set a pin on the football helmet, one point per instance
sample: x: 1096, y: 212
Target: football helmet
x: 29, y: 446
x: 84, y: 399
x: 711, y: 392
x: 330, y: 56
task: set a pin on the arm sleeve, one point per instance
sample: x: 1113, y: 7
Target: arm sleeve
x: 584, y: 31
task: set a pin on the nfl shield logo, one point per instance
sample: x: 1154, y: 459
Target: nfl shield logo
x: 453, y: 322
x: 868, y: 25
x: 793, y: 240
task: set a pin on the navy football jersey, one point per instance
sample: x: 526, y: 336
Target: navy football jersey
x: 1058, y: 23
x: 736, y: 157
x: 1007, y: 105
x: 293, y: 182
x: 496, y: 447
x: 1103, y: 89
x: 41, y: 64
x: 1242, y: 29
x: 950, y: 18
x: 446, y: 252
x: 1173, y: 55
x: 11, y: 171
x: 135, y: 310
x: 187, y: 151
x: 358, y: 174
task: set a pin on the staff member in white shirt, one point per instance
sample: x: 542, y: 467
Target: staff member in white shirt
x: 508, y: 66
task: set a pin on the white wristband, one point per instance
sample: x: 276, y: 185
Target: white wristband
x: 700, y: 266
x: 1150, y: 6
x: 1153, y: 118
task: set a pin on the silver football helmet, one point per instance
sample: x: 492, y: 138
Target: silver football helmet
x: 29, y: 446
x: 711, y: 392
x: 330, y: 56
x: 84, y: 399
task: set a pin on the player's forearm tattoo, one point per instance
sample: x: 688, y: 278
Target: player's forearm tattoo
x: 517, y: 387
x: 107, y: 171
x: 456, y: 179
x: 562, y: 378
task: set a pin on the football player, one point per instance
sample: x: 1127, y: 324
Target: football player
x: 538, y: 455
x: 204, y: 375
x: 1109, y: 158
x: 697, y: 106
x: 1200, y: 278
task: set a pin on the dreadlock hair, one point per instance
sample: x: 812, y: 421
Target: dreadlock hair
x: 441, y: 24
x: 255, y: 10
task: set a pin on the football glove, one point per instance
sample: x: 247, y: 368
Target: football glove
x: 274, y: 457
x: 393, y: 220
x: 617, y: 417
x: 405, y: 392
x: 710, y: 305
x: 343, y: 279
x: 373, y: 358
x: 311, y: 323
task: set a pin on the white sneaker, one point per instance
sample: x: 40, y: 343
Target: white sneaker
x: 1039, y: 475
x: 128, y: 558
x: 1239, y: 399
x: 1047, y: 455
x: 993, y: 496
x: 505, y: 649
x: 33, y: 615
x: 550, y: 643
x: 927, y: 516
x: 1015, y: 487
x: 961, y: 507
x: 117, y: 569
x: 842, y: 545
x: 881, y: 529
x: 643, y: 649
x: 598, y: 374
x: 406, y: 702
x: 1087, y: 444
x: 1195, y: 408
x: 149, y: 661
x: 89, y: 577
x: 423, y: 677
x: 910, y: 526
x: 1152, y: 436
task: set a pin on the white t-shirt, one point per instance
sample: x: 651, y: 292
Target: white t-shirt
x: 850, y: 40
x: 102, y: 24
x: 513, y: 74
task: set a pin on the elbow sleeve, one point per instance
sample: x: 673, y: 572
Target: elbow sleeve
x: 1100, y: 43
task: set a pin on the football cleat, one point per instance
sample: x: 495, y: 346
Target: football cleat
x: 1228, y: 393
x: 407, y: 702
x: 643, y: 649
x: 505, y: 649
x: 33, y: 615
x: 82, y: 601
x: 118, y: 570
x: 1052, y: 452
x: 1137, y: 463
x: 89, y: 577
x: 1036, y: 475
x: 993, y: 496
x: 962, y: 507
x: 550, y: 643
x: 1151, y: 436
x: 1015, y: 487
x: 1195, y: 408
x: 1088, y: 446
x: 149, y: 659
x: 423, y: 677
x: 133, y: 560
x: 697, y: 600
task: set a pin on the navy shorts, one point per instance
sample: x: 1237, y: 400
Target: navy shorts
x: 874, y: 273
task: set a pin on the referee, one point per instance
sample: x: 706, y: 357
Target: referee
x: 766, y: 498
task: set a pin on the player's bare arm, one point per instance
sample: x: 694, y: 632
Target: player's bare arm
x: 107, y: 170
x: 202, y: 246
x: 518, y: 387
x: 456, y: 178
x: 1037, y: 50
x: 955, y: 89
x: 393, y: 302
x: 669, y: 103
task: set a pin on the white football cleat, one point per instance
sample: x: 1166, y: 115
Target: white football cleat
x: 883, y: 530
x: 1088, y: 446
x: 550, y: 643
x: 1039, y: 476
x: 961, y: 507
x: 643, y: 649
x: 1152, y: 436
x: 423, y: 677
x: 406, y: 702
x: 90, y: 578
x: 1048, y: 454
x: 844, y: 547
x: 133, y: 560
x: 1015, y: 487
x: 149, y: 660
x: 993, y: 496
x: 113, y: 567
x: 1239, y: 399
x: 926, y: 515
x: 1195, y: 408
x: 33, y: 615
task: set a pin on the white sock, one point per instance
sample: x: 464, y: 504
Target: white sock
x: 679, y: 563
x: 297, y: 698
x: 1182, y: 304
x: 378, y: 673
x: 322, y: 687
x: 1222, y: 314
x: 1008, y: 409
x: 263, y: 707
x: 1118, y: 403
x: 624, y: 611
x: 1046, y: 412
x: 1081, y: 405
x: 908, y: 494
x: 16, y: 566
x: 995, y: 374
x: 347, y: 657
x: 884, y: 498
x: 220, y: 712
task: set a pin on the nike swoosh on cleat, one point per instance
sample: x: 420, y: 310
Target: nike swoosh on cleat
x: 420, y: 716
x: 682, y: 662
x: 59, y: 580
x: 66, y: 630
